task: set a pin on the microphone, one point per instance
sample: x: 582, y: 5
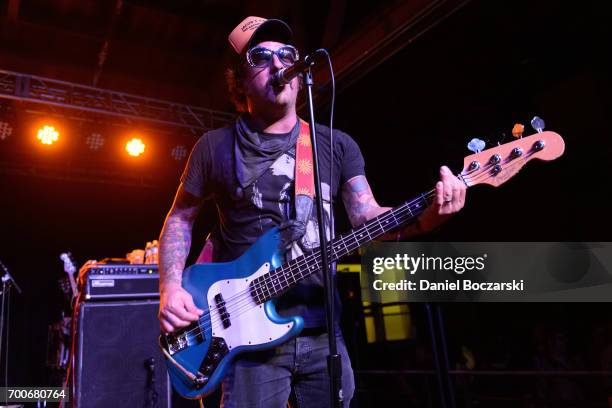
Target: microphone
x: 284, y: 75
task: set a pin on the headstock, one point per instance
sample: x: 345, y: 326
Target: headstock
x: 70, y: 269
x: 69, y: 266
x: 498, y: 164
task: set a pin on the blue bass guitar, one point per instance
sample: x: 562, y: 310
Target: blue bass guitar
x: 238, y: 296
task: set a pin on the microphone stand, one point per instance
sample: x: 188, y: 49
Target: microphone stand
x: 334, y: 363
x: 7, y: 283
x: 439, y: 348
x: 8, y: 280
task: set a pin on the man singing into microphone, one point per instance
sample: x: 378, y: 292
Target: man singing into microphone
x: 249, y: 170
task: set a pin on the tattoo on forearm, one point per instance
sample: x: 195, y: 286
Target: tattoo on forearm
x: 359, y: 201
x: 175, y: 241
x: 175, y: 238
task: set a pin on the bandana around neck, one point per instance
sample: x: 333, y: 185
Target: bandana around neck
x: 256, y: 153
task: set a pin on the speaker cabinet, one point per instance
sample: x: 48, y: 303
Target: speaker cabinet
x: 117, y: 362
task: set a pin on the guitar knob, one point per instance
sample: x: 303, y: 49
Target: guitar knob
x: 476, y: 145
x: 539, y: 145
x: 516, y: 152
x: 517, y: 130
x: 496, y: 158
x: 537, y: 123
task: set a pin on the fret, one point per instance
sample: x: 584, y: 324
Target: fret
x: 284, y: 276
x: 381, y: 228
x: 290, y: 278
x: 376, y: 228
x: 367, y: 230
x: 423, y: 198
x: 410, y: 210
x: 288, y: 270
x: 333, y: 251
x: 266, y: 289
x: 394, y: 219
x: 316, y: 262
x: 346, y: 251
x: 258, y: 289
x: 379, y: 224
x: 354, y: 238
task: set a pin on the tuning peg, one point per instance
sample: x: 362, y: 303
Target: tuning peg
x: 476, y: 145
x: 537, y: 123
x: 517, y: 130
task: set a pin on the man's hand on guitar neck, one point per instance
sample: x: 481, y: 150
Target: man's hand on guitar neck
x: 176, y: 308
x: 449, y: 199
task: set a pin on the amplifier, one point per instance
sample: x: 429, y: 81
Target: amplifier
x: 116, y: 360
x: 121, y: 281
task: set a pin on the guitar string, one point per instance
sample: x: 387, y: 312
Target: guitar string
x: 485, y: 173
x: 238, y: 301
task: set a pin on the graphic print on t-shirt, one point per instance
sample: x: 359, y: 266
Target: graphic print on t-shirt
x: 280, y: 177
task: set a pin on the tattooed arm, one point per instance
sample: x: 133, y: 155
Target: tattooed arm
x: 176, y: 308
x: 361, y: 205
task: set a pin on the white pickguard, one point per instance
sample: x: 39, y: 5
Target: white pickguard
x: 249, y: 323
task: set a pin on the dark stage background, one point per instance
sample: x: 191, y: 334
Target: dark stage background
x: 487, y: 66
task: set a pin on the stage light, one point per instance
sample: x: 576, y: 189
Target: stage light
x: 47, y: 135
x: 135, y: 147
x: 179, y: 152
x: 95, y: 141
x: 5, y: 130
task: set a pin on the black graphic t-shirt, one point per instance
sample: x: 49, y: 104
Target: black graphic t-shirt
x: 245, y: 214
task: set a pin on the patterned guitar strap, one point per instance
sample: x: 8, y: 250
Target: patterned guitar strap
x: 293, y: 230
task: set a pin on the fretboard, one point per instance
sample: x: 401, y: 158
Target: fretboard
x: 281, y: 279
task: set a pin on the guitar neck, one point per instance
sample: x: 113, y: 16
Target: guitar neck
x: 279, y: 280
x: 73, y: 285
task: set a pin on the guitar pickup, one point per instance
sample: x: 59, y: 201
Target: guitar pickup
x: 225, y: 316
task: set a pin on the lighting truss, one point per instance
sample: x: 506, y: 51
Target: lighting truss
x: 55, y: 93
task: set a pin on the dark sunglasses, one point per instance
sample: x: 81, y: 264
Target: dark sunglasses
x: 260, y: 57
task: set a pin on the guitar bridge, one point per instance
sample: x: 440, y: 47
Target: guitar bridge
x: 182, y: 339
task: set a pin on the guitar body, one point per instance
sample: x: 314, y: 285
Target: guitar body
x: 234, y: 324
